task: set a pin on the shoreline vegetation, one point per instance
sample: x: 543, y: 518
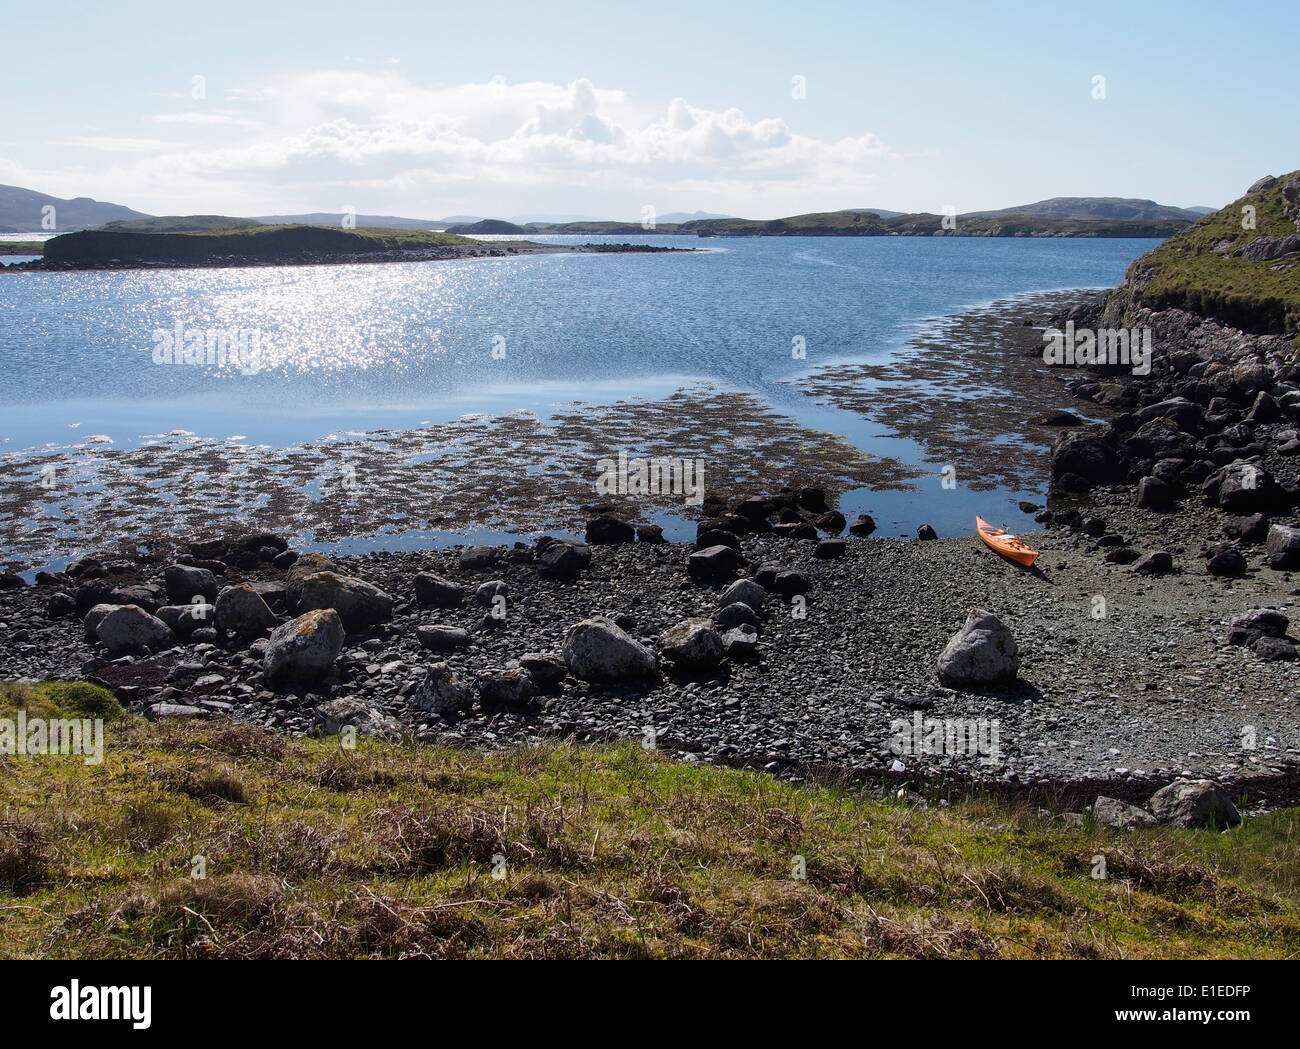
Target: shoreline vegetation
x: 220, y: 841
x: 258, y: 245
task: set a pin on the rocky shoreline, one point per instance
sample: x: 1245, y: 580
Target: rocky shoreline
x: 1142, y: 654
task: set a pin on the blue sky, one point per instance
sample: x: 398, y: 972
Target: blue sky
x: 504, y: 108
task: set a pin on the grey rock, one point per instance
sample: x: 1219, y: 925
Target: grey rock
x: 442, y: 637
x: 693, y: 643
x: 358, y: 603
x: 184, y: 583
x: 597, y: 649
x: 185, y: 619
x: 513, y: 687
x: 130, y: 628
x: 1111, y: 812
x: 241, y: 611
x: 303, y: 649
x: 740, y: 642
x: 744, y: 591
x: 546, y: 668
x: 982, y: 652
x: 1194, y: 803
x: 562, y: 558
x: 334, y: 715
x: 1157, y: 562
x: 442, y: 692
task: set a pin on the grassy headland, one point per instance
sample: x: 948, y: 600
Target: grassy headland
x: 312, y: 850
x: 1206, y: 269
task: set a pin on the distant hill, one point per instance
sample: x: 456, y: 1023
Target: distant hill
x: 1114, y: 208
x: 335, y: 218
x: 870, y: 224
x: 486, y: 226
x: 178, y: 224
x: 689, y: 216
x: 21, y: 212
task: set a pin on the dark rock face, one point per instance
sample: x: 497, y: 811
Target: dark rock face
x: 609, y: 529
x: 714, y: 562
x: 925, y: 532
x: 1087, y: 456
x: 477, y: 558
x: 562, y: 558
x: 433, y: 591
x: 1227, y: 561
x: 1157, y: 562
x: 863, y: 525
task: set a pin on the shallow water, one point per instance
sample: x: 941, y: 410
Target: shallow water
x: 363, y: 347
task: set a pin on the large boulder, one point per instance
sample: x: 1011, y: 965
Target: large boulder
x: 597, y: 649
x: 561, y: 558
x: 713, y: 562
x: 609, y: 529
x: 442, y: 692
x: 129, y: 628
x: 184, y: 583
x: 304, y: 648
x: 358, y: 603
x: 1086, y: 455
x: 1194, y: 803
x: 241, y: 611
x: 433, y: 591
x: 692, y: 643
x: 982, y: 652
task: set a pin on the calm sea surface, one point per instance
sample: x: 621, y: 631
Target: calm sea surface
x: 397, y: 345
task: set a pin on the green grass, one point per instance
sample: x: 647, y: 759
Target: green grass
x: 1187, y: 273
x: 387, y: 850
x: 21, y: 247
x: 178, y: 224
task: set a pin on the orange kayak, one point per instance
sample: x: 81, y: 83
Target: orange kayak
x: 1004, y: 543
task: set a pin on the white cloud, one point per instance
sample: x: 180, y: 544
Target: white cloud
x: 296, y: 140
